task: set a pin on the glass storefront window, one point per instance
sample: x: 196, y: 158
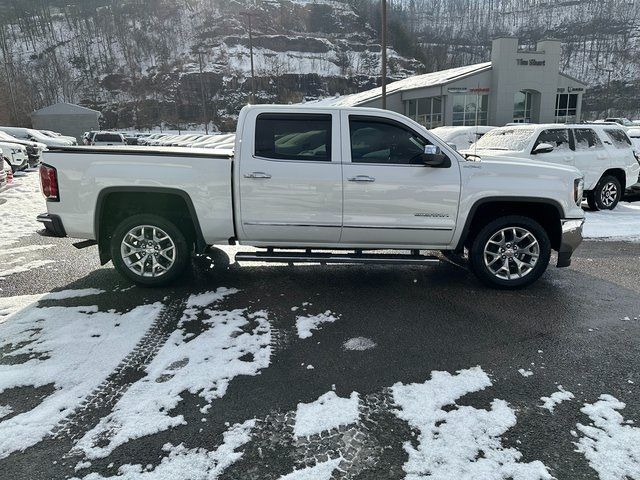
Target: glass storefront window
x: 469, y: 109
x: 522, y: 107
x: 425, y: 111
x: 567, y: 108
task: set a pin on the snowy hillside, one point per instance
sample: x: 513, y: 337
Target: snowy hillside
x: 139, y: 61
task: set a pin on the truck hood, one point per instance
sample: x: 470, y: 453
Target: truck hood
x: 497, y: 162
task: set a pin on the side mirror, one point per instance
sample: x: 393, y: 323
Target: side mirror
x: 543, y: 148
x: 434, y: 158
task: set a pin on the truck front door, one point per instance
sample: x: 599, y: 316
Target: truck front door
x: 291, y: 179
x: 390, y: 197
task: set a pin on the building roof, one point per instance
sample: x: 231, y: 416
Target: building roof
x: 417, y: 81
x: 64, y: 108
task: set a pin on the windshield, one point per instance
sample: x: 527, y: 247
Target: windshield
x: 513, y: 139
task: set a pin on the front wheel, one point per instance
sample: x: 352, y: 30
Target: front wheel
x: 149, y: 250
x: 510, y: 252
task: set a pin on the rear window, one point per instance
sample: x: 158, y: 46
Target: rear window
x: 618, y: 137
x: 513, y: 139
x: 586, y: 138
x: 284, y: 136
x: 107, y: 137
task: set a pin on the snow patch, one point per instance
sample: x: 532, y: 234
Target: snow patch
x: 611, y: 447
x: 18, y: 213
x: 556, y: 398
x: 320, y: 471
x: 359, y: 344
x: 231, y: 343
x: 525, y: 373
x: 193, y: 463
x: 462, y: 443
x: 621, y: 223
x: 25, y: 267
x: 327, y: 412
x: 72, y: 348
x: 305, y: 325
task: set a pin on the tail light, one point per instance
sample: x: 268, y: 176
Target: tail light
x: 49, y: 182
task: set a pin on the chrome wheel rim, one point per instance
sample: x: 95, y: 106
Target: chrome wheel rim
x: 511, y: 253
x: 148, y: 251
x: 609, y: 194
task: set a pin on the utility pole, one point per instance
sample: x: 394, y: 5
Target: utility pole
x: 204, y: 107
x: 253, y: 78
x: 384, y: 53
x: 609, y: 71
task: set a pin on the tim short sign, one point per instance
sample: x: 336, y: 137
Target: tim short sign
x: 468, y: 90
x: 531, y: 62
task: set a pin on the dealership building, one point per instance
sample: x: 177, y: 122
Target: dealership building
x: 517, y: 85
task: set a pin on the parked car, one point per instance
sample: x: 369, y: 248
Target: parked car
x: 16, y: 155
x: 602, y: 152
x: 107, y: 138
x: 34, y: 149
x: 625, y: 122
x: 36, y: 136
x: 307, y: 181
x: 634, y: 136
x: 52, y: 134
x: 461, y: 137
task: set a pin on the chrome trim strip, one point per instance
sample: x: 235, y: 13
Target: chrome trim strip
x: 284, y: 224
x: 385, y: 227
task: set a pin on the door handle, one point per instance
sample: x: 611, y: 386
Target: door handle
x: 361, y: 178
x: 257, y: 175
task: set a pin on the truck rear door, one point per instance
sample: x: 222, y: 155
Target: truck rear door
x: 290, y: 177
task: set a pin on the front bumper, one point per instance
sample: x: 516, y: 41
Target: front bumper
x: 571, y: 239
x: 52, y: 224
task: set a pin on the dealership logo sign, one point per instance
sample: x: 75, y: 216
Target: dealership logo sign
x: 468, y: 90
x: 532, y: 62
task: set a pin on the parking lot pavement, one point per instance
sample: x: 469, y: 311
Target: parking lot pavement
x: 268, y: 372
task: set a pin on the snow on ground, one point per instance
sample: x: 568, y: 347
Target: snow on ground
x: 556, y: 398
x: 463, y: 442
x: 359, y: 344
x: 5, y: 410
x: 320, y: 471
x: 305, y: 325
x: 327, y: 412
x: 11, y: 305
x: 525, y: 373
x: 232, y: 343
x: 610, y: 444
x: 192, y: 463
x: 622, y: 223
x: 71, y: 348
x: 23, y: 204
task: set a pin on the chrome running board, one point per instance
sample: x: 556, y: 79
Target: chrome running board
x: 336, y: 258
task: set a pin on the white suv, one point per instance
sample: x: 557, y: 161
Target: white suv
x: 603, y: 153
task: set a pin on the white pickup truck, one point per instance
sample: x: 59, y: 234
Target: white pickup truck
x: 315, y: 185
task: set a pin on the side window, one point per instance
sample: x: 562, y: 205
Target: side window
x: 558, y: 137
x: 381, y: 141
x: 286, y: 136
x: 586, y: 139
x: 618, y: 137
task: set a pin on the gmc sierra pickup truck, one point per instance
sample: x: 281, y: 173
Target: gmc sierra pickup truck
x: 317, y: 185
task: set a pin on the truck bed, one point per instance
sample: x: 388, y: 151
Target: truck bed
x: 143, y: 150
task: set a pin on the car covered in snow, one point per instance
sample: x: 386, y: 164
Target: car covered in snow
x: 37, y: 136
x: 16, y: 155
x: 101, y: 139
x: 34, y: 149
x: 602, y: 152
x: 461, y: 137
x: 309, y: 184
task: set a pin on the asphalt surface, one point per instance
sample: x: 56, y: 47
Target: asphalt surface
x: 568, y: 329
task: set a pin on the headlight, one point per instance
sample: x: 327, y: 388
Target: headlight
x: 578, y: 190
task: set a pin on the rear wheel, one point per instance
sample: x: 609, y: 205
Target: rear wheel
x: 607, y: 193
x: 510, y: 252
x: 149, y: 250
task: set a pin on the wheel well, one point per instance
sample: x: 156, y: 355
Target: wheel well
x: 547, y: 215
x: 113, y: 207
x: 619, y: 174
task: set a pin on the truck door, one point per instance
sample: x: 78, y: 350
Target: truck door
x: 390, y: 197
x: 291, y: 178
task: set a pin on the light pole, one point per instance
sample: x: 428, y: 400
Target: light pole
x: 253, y: 78
x: 609, y: 71
x: 204, y: 107
x: 383, y: 4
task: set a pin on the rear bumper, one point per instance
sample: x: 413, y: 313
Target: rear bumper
x: 571, y: 239
x: 52, y: 224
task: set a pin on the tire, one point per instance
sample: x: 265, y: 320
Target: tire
x: 514, y: 265
x: 167, y: 255
x: 607, y: 193
x: 591, y: 201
